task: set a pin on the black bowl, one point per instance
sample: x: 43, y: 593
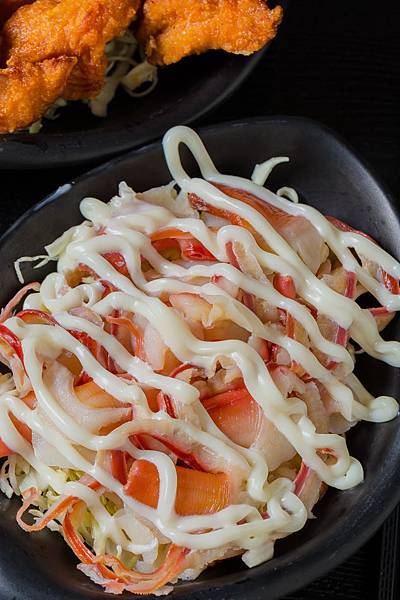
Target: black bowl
x: 329, y: 176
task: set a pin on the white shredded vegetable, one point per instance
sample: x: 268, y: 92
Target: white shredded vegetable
x: 127, y: 68
x: 43, y: 258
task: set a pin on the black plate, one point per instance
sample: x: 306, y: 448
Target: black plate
x: 328, y: 175
x: 185, y: 92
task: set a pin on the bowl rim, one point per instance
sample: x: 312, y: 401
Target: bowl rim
x: 68, y: 149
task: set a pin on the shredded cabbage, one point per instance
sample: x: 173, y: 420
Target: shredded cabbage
x: 127, y: 68
x: 16, y: 476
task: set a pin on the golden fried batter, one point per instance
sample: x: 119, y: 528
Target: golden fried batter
x: 56, y: 48
x: 8, y: 8
x: 49, y: 28
x: 172, y: 29
x: 27, y: 90
x: 62, y: 29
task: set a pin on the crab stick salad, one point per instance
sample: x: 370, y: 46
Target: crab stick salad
x: 180, y: 387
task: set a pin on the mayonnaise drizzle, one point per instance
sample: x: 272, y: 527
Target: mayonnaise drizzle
x: 126, y: 223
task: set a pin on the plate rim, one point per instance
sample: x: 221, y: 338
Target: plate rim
x: 321, y: 567
x: 36, y: 159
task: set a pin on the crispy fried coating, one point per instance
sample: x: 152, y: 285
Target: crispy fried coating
x: 56, y: 48
x: 172, y: 29
x: 8, y: 8
x: 41, y: 40
x: 66, y: 27
x: 49, y: 28
x: 27, y: 90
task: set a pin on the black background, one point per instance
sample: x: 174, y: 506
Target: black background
x: 336, y: 61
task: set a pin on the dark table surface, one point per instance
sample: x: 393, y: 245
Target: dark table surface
x: 337, y: 62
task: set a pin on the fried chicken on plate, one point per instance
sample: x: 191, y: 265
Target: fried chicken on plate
x: 27, y: 90
x: 71, y: 33
x: 172, y: 29
x: 77, y: 29
x: 52, y: 49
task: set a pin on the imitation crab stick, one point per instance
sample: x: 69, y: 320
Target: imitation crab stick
x: 190, y: 248
x: 391, y: 283
x: 93, y: 396
x: 119, y: 466
x: 247, y: 298
x: 90, y: 394
x: 285, y: 285
x: 118, y: 262
x: 200, y: 204
x: 170, y: 234
x: 275, y: 216
x: 133, y: 329
x: 198, y: 493
x: 236, y: 414
x: 295, y: 229
x: 11, y: 342
x: 4, y: 450
x: 120, y: 578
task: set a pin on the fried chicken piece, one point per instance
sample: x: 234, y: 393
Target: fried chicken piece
x: 87, y: 78
x: 27, y: 90
x: 49, y: 28
x: 8, y: 8
x: 172, y: 29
